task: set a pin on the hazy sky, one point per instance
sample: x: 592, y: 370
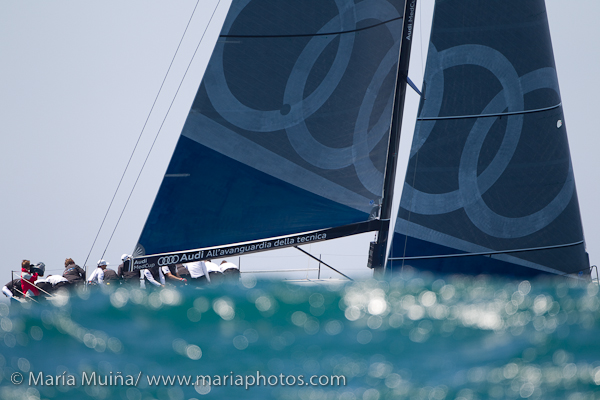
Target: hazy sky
x: 78, y: 79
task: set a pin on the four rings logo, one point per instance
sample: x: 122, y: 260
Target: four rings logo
x: 168, y: 260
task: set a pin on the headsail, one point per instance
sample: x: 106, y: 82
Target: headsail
x: 489, y: 185
x: 289, y: 130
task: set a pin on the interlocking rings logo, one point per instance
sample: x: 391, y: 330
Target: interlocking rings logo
x: 472, y: 184
x: 167, y: 260
x: 297, y: 106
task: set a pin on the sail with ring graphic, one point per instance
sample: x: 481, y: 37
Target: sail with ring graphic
x: 288, y: 133
x: 489, y: 186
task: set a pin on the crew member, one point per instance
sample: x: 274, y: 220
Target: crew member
x: 230, y: 271
x: 97, y: 277
x: 12, y: 289
x: 43, y: 285
x: 57, y: 281
x: 125, y: 271
x: 198, y: 273
x: 214, y: 272
x: 154, y: 275
x: 27, y: 279
x: 110, y: 276
x: 171, y: 274
x: 182, y: 271
x: 73, y: 273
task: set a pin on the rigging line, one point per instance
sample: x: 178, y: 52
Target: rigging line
x: 312, y: 34
x: 421, y: 41
x: 323, y: 262
x: 140, y: 135
x: 409, y: 212
x: 503, y: 114
x: 161, y: 125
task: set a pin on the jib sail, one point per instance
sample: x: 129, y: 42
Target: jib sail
x: 489, y: 185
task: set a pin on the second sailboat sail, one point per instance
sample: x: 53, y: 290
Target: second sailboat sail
x: 289, y: 130
x: 489, y: 186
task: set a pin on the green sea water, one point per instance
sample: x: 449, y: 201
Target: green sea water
x: 417, y: 336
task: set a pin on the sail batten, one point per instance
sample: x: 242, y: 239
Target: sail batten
x: 502, y: 114
x: 490, y: 253
x: 291, y: 35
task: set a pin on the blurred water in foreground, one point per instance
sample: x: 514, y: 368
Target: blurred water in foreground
x: 418, y: 336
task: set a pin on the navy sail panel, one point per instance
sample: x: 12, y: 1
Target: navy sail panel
x: 289, y: 129
x: 490, y: 172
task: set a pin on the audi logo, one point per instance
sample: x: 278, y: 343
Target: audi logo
x: 168, y: 260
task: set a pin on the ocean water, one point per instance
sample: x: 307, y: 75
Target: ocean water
x: 418, y: 336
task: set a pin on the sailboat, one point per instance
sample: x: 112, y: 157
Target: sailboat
x: 293, y: 136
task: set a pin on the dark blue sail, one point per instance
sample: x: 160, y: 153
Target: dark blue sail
x: 489, y: 186
x: 289, y: 129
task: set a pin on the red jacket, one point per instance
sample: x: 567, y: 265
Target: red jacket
x: 26, y: 282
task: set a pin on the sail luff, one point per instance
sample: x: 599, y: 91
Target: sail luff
x: 379, y: 248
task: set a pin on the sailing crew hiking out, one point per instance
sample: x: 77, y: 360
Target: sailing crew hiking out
x: 206, y: 272
x: 32, y: 282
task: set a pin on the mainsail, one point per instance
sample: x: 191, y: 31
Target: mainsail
x: 289, y: 130
x: 489, y: 186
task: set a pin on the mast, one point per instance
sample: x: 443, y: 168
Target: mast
x: 378, y: 248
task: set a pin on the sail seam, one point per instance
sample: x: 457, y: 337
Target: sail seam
x: 490, y: 115
x: 489, y: 253
x: 312, y: 34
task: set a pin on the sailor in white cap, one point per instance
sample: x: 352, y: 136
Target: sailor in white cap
x: 125, y: 272
x: 97, y: 277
